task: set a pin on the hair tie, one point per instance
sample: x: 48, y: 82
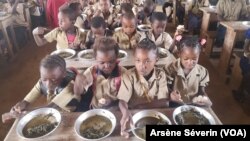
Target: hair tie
x: 203, y: 41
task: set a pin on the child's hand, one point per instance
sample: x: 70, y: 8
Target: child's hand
x: 202, y: 101
x: 19, y: 107
x: 104, y: 101
x: 176, y: 96
x: 74, y: 45
x: 126, y: 118
x: 82, y: 83
x: 39, y: 31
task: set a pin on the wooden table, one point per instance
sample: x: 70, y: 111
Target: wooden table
x: 234, y: 28
x: 6, y: 21
x: 65, y: 131
x: 126, y: 62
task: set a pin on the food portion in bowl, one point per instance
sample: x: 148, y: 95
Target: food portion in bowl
x: 95, y: 127
x: 163, y: 53
x: 144, y: 27
x: 122, y: 54
x: 86, y: 54
x: 191, y: 115
x: 39, y: 126
x: 65, y: 53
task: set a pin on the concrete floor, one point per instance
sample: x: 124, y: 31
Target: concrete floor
x: 18, y: 77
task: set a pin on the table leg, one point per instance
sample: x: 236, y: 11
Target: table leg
x: 227, y: 52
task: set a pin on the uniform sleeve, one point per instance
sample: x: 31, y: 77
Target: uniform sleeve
x: 126, y: 88
x: 116, y: 37
x: 219, y: 7
x: 204, y: 77
x: 168, y: 41
x: 52, y: 35
x: 64, y: 97
x: 163, y: 89
x: 89, y: 78
x: 34, y: 94
x: 79, y: 22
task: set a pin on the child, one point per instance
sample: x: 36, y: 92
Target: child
x: 127, y: 37
x: 157, y: 34
x: 187, y: 78
x: 144, y: 86
x: 144, y: 15
x: 66, y: 35
x: 37, y: 13
x: 77, y: 8
x: 53, y: 84
x: 100, y: 83
x: 98, y: 29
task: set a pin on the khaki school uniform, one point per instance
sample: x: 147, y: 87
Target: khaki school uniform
x: 164, y: 40
x: 232, y: 11
x: 18, y: 19
x: 136, y: 89
x: 60, y: 37
x: 79, y: 21
x: 62, y: 96
x: 103, y: 87
x: 188, y: 86
x: 124, y: 41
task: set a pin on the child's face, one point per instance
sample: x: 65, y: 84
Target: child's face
x: 64, y: 21
x: 106, y: 61
x: 189, y: 57
x: 148, y: 9
x: 128, y: 26
x: 159, y: 27
x: 51, y: 78
x: 98, y: 32
x: 104, y: 5
x: 79, y: 10
x: 145, y: 61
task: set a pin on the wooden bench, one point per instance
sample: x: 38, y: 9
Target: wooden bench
x: 236, y: 76
x: 210, y: 37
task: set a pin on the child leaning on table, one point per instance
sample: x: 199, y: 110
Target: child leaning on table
x: 144, y: 86
x: 187, y: 79
x: 54, y: 83
x: 66, y: 35
x: 99, y: 84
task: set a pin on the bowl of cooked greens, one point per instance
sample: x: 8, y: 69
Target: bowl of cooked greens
x: 95, y: 124
x: 147, y: 117
x: 192, y: 115
x: 64, y: 53
x: 38, y: 123
x: 87, y: 55
x: 122, y: 55
x: 162, y: 52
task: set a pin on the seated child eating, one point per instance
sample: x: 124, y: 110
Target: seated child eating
x: 127, y: 37
x: 66, y: 35
x: 144, y: 86
x: 55, y: 84
x: 98, y: 29
x: 158, y: 34
x: 99, y: 84
x: 187, y: 79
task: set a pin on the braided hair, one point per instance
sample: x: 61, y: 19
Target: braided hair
x: 52, y: 62
x: 189, y: 42
x: 147, y: 44
x: 105, y: 44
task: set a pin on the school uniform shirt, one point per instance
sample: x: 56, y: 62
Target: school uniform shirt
x: 80, y: 21
x: 90, y: 38
x: 60, y: 37
x: 195, y: 5
x: 124, y: 41
x: 18, y: 18
x: 136, y: 89
x: 188, y: 86
x: 103, y: 87
x: 164, y: 40
x: 232, y: 10
x: 62, y: 97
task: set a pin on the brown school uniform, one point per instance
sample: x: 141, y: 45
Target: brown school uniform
x: 136, y: 89
x: 195, y: 5
x: 188, y: 86
x: 124, y: 41
x: 90, y: 39
x: 164, y: 40
x: 60, y: 37
x: 62, y: 96
x: 104, y: 87
x: 232, y: 11
x: 18, y: 19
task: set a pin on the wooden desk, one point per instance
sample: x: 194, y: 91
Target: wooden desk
x: 6, y: 21
x: 65, y: 131
x: 209, y: 15
x: 233, y: 30
x: 126, y: 62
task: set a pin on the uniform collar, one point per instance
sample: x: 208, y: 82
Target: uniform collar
x: 114, y: 73
x: 180, y: 71
x: 141, y: 79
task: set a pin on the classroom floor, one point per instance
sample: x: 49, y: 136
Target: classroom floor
x: 19, y: 76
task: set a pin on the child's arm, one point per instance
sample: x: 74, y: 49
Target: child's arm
x: 13, y: 8
x: 37, y: 32
x: 126, y: 118
x: 83, y: 82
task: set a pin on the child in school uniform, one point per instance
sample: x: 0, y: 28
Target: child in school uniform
x: 54, y: 83
x: 98, y: 29
x: 127, y: 37
x: 187, y: 79
x: 99, y: 84
x: 77, y: 8
x: 143, y: 16
x: 66, y: 35
x: 158, y: 34
x: 144, y: 86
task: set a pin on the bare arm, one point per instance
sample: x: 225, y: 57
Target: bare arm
x: 37, y: 32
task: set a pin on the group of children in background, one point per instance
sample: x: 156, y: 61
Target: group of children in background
x: 107, y: 84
